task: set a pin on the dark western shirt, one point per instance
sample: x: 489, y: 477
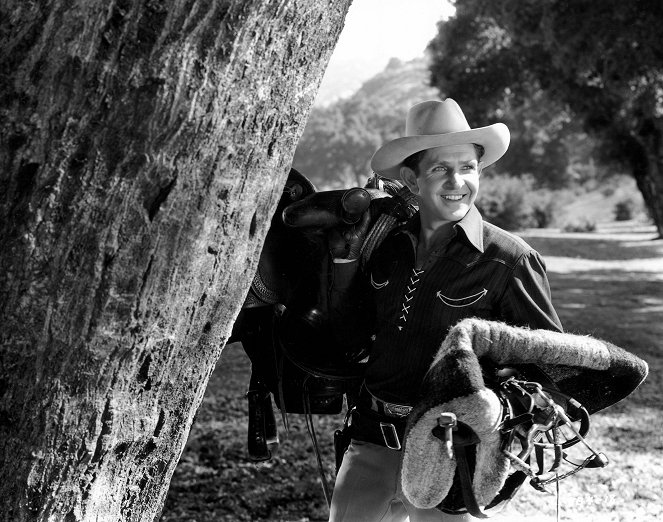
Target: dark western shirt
x: 482, y: 271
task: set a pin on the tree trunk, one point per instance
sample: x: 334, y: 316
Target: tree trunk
x: 644, y: 150
x: 648, y: 170
x: 143, y: 149
x: 650, y: 184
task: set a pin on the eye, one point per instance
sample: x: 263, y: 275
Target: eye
x: 439, y: 168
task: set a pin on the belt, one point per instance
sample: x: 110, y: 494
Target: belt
x: 370, y: 426
x: 390, y: 409
x: 378, y: 421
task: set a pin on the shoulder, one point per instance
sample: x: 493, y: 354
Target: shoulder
x: 398, y: 237
x: 504, y: 246
x: 395, y: 245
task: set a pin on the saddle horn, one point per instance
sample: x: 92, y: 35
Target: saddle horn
x: 328, y: 209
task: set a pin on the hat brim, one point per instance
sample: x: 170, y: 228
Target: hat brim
x: 388, y: 159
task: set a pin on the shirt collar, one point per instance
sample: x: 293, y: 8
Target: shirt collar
x: 471, y: 225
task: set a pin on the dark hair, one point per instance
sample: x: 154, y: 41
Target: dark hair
x: 412, y: 161
x: 480, y: 151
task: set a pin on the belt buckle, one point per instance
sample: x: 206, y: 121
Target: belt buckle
x: 390, y: 436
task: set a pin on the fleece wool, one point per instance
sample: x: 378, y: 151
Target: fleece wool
x: 581, y: 366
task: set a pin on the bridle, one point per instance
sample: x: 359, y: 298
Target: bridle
x: 542, y: 429
x: 537, y: 419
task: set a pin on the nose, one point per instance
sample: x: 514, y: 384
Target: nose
x: 453, y: 180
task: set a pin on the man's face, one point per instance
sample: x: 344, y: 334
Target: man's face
x: 446, y: 183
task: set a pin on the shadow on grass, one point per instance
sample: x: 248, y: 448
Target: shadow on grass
x: 215, y: 480
x: 602, y: 247
x: 624, y: 309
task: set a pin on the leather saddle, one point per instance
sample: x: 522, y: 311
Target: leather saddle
x: 284, y: 323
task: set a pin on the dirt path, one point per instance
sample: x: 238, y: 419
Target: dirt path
x: 610, y: 285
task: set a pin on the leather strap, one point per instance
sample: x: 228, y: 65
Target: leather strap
x: 464, y: 437
x: 466, y: 483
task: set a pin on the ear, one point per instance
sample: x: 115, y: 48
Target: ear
x: 409, y: 177
x: 480, y: 167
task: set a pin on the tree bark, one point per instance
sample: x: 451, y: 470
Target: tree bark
x: 643, y: 150
x: 650, y: 184
x: 143, y: 149
x: 649, y: 173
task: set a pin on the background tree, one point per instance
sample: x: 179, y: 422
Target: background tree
x: 340, y: 139
x: 598, y: 62
x: 143, y: 149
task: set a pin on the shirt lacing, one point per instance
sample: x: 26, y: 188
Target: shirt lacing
x: 408, y: 297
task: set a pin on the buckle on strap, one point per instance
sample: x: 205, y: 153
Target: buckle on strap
x: 390, y: 436
x: 396, y: 410
x: 388, y: 408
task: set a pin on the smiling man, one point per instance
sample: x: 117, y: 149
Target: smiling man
x: 444, y: 265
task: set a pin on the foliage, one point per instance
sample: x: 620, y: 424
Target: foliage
x: 339, y: 140
x: 624, y: 210
x: 584, y: 225
x: 596, y: 201
x: 503, y: 201
x: 545, y: 207
x: 595, y: 63
x: 513, y: 203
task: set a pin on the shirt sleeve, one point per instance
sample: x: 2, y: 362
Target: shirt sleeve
x: 527, y: 300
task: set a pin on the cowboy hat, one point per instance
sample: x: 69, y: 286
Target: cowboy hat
x: 435, y: 123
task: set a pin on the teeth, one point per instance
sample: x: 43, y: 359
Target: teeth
x: 453, y: 197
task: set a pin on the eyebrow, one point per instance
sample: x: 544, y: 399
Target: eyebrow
x: 446, y: 163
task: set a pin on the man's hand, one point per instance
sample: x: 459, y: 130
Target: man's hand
x: 345, y: 241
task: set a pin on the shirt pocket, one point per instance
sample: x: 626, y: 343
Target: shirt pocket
x: 462, y: 301
x: 378, y: 283
x: 381, y: 274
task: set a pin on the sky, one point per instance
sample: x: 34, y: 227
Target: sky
x: 374, y: 32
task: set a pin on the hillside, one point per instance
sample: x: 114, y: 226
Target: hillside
x: 340, y: 139
x: 544, y: 183
x: 400, y: 85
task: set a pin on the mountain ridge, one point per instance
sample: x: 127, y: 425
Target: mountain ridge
x: 340, y: 138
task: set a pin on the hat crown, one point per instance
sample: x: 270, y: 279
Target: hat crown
x: 435, y: 117
x: 435, y: 123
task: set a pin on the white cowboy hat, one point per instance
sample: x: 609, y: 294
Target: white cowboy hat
x: 435, y: 123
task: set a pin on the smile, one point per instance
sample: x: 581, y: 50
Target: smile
x: 452, y: 197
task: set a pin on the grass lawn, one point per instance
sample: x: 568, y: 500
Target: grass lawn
x: 608, y: 284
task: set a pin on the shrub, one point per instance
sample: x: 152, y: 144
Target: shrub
x: 624, y: 209
x: 512, y: 203
x: 580, y: 226
x: 504, y: 201
x: 545, y: 206
x: 608, y: 191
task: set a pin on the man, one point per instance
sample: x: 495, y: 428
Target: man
x: 444, y: 265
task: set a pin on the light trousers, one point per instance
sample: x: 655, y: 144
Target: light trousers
x: 368, y: 489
